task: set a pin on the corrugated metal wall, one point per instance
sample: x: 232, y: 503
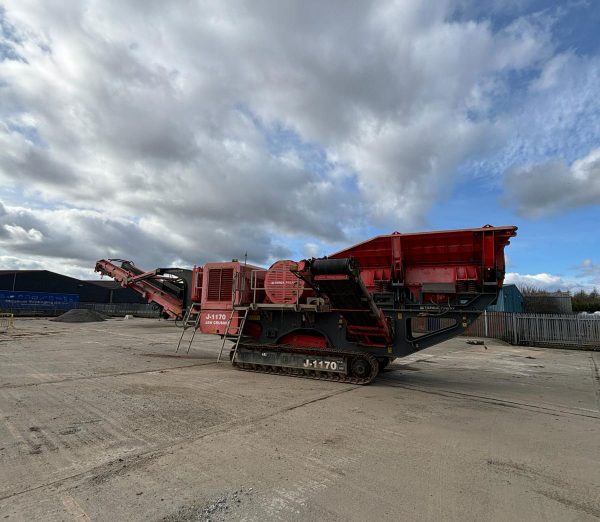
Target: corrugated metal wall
x: 558, y: 303
x: 510, y: 299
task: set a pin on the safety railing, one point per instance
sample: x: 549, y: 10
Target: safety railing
x: 258, y: 291
x: 7, y: 321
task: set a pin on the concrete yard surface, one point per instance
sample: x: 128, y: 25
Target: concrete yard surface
x: 105, y: 422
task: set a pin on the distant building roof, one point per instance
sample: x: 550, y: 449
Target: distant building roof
x: 27, y: 272
x: 20, y: 271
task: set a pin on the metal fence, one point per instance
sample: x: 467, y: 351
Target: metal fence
x: 54, y: 309
x: 566, y: 330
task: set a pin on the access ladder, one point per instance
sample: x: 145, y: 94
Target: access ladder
x: 191, y: 319
x: 238, y: 335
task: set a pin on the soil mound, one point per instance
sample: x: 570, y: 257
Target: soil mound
x: 79, y: 316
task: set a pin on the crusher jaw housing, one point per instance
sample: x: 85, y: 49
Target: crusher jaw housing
x: 346, y: 316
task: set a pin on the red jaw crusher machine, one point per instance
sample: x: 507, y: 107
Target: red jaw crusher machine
x: 342, y: 317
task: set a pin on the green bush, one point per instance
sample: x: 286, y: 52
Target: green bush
x: 586, y: 302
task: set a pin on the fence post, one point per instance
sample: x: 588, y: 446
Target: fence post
x: 578, y: 331
x: 514, y: 325
x: 485, y: 323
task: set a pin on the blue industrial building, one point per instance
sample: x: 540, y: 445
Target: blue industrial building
x: 510, y: 299
x: 38, y: 290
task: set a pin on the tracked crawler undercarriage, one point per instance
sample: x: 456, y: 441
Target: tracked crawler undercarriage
x: 350, y: 368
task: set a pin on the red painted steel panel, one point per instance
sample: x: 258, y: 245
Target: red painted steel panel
x: 304, y: 339
x: 227, y: 285
x: 432, y: 257
x: 282, y: 286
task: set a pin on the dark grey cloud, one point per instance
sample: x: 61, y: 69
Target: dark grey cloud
x: 554, y: 186
x: 29, y: 164
x: 80, y: 237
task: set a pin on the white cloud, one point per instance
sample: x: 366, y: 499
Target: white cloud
x: 47, y: 263
x: 553, y: 282
x: 148, y: 130
x: 18, y: 235
x: 591, y: 271
x: 543, y: 281
x: 552, y: 116
x: 312, y: 250
x: 552, y: 72
x: 554, y: 186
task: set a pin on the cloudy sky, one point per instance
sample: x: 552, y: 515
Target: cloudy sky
x: 176, y: 133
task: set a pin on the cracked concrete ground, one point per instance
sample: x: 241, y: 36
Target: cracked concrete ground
x: 104, y: 421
